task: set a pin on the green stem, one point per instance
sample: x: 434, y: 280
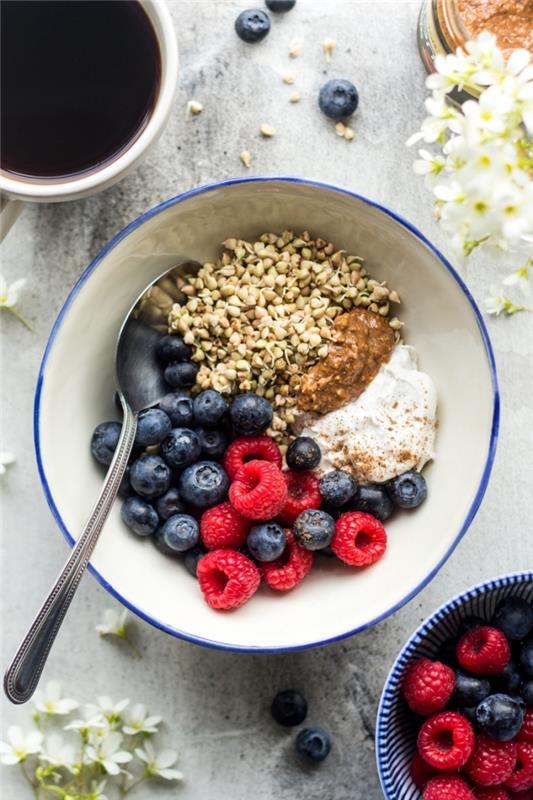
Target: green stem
x: 34, y: 787
x: 19, y: 316
x: 124, y: 790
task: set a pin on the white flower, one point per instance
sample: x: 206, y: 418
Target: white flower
x: 6, y: 458
x: 97, y: 791
x: 92, y: 720
x: 9, y: 295
x: 520, y: 278
x: 50, y: 701
x: 112, y: 712
x: 113, y: 623
x: 496, y: 303
x: 19, y: 745
x: 137, y: 721
x: 159, y: 763
x: 57, y: 752
x: 105, y: 751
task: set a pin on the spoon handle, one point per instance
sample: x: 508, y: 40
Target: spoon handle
x: 22, y: 675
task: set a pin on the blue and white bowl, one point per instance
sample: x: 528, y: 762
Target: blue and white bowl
x: 395, y: 729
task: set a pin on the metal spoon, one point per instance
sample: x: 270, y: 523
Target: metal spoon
x: 140, y: 384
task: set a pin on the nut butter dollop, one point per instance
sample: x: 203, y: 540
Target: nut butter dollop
x: 511, y: 21
x: 361, y: 341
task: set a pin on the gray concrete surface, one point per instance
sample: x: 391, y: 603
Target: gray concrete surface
x: 216, y: 704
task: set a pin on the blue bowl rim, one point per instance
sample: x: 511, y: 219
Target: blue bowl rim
x: 392, y: 680
x: 179, y: 198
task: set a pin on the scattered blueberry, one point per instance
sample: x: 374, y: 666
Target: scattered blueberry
x: 526, y: 693
x: 408, y: 490
x: 209, y: 408
x: 279, y: 6
x: 178, y: 406
x: 139, y: 516
x: 313, y: 744
x: 250, y: 414
x: 509, y: 680
x: 212, y: 442
x: 181, y: 374
x: 337, y: 487
x: 266, y: 541
x: 303, y: 453
x: 526, y: 658
x: 289, y: 708
x: 104, y: 441
x: 181, y: 447
x: 172, y: 348
x: 152, y: 427
x: 373, y: 499
x: 203, y: 484
x: 514, y: 616
x: 191, y: 559
x: 169, y: 504
x: 252, y: 25
x: 469, y: 690
x: 338, y: 99
x: 314, y: 529
x: 179, y: 533
x: 150, y: 476
x: 500, y: 716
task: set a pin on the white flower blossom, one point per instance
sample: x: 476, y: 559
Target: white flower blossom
x: 158, y: 764
x: 520, y: 278
x: 91, y: 720
x: 113, y: 623
x: 50, y: 701
x: 57, y: 752
x: 138, y: 721
x: 9, y: 296
x: 108, y: 709
x: 19, y: 745
x: 497, y: 303
x: 105, y: 750
x: 6, y: 458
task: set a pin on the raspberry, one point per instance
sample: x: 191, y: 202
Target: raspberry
x: 222, y: 527
x: 446, y: 741
x: 290, y: 569
x: 359, y: 539
x: 491, y: 762
x: 525, y: 734
x: 227, y: 578
x: 483, y: 651
x: 420, y: 771
x: 522, y: 777
x: 447, y: 787
x: 427, y: 686
x: 259, y: 490
x: 490, y: 793
x: 248, y: 448
x: 303, y: 493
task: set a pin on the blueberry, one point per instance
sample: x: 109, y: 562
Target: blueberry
x: 303, y: 453
x: 526, y: 693
x: 279, y: 6
x: 209, y: 408
x: 500, y: 716
x: 179, y: 533
x: 152, y: 427
x: 289, y: 708
x: 172, y: 348
x: 125, y: 490
x: 104, y: 441
x: 250, y: 414
x: 181, y: 447
x: 314, y: 529
x: 252, y: 25
x: 169, y: 504
x: 191, y: 559
x: 150, y: 476
x: 266, y: 541
x: 313, y: 744
x: 178, y: 406
x: 509, y: 680
x: 408, y: 490
x: 373, y: 499
x: 337, y: 487
x: 181, y: 374
x: 139, y: 516
x: 470, y: 713
x: 469, y: 690
x: 203, y: 484
x: 514, y: 616
x: 338, y: 99
x: 526, y: 659
x: 213, y: 443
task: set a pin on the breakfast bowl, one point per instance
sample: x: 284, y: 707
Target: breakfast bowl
x: 396, y: 730
x: 76, y: 385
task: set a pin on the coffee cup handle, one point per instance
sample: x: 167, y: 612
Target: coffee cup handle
x: 9, y: 213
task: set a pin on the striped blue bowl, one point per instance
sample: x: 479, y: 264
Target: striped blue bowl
x: 395, y: 729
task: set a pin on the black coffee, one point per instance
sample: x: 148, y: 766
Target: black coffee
x: 79, y: 81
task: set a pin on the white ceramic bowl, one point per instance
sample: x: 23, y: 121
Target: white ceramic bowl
x: 395, y: 728
x: 75, y: 392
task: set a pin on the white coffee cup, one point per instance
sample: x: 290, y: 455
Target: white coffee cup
x: 15, y: 191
